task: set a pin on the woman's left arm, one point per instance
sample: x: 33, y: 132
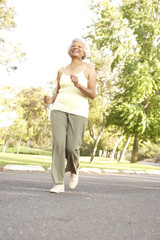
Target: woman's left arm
x: 90, y: 91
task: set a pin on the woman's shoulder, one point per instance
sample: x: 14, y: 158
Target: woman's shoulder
x: 61, y: 70
x: 89, y: 67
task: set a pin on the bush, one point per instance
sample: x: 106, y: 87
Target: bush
x: 149, y: 150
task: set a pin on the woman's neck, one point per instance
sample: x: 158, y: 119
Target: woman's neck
x: 76, y: 62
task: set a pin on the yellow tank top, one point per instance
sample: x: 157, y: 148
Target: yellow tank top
x: 70, y: 99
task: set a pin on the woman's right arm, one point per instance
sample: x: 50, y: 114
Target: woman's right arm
x: 48, y: 99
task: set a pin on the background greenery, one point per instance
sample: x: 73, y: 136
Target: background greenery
x: 124, y: 117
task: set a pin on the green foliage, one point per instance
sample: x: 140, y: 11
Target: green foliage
x: 143, y: 18
x: 34, y: 110
x: 149, y: 150
x: 9, y: 52
x: 128, y: 36
x: 86, y: 146
x: 6, y: 16
x: 30, y: 122
x: 109, y: 44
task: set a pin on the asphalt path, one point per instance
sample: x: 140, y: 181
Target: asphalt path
x: 103, y: 206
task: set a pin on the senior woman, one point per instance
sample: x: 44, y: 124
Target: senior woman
x: 69, y: 116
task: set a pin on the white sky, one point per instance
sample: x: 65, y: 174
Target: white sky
x: 45, y: 30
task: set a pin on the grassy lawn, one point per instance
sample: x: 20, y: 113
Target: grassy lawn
x: 24, y: 159
x: 29, y: 151
x: 45, y: 162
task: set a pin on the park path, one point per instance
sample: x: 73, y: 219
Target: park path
x: 103, y: 206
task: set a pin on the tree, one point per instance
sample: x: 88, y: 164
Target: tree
x: 128, y: 36
x: 34, y: 112
x: 96, y: 125
x: 28, y: 115
x: 7, y: 108
x: 9, y: 52
x: 7, y: 16
x: 110, y: 41
x: 137, y: 101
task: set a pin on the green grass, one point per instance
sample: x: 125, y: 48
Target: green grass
x: 30, y: 151
x: 24, y: 159
x: 105, y: 163
x: 45, y: 162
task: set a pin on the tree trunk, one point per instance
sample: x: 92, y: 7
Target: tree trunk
x: 115, y: 148
x: 134, y: 157
x: 95, y: 147
x: 28, y: 146
x: 5, y: 145
x: 118, y: 154
x: 4, y: 148
x: 19, y: 144
x: 122, y: 156
x: 96, y: 141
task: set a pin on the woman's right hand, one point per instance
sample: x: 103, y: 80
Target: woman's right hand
x: 48, y: 99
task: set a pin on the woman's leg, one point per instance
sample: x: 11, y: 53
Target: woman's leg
x: 75, y: 130
x: 59, y: 125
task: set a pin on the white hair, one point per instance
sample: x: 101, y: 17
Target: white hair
x: 85, y: 45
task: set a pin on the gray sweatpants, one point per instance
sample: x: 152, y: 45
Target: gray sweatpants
x: 67, y: 131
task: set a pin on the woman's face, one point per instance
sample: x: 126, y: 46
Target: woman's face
x: 77, y: 50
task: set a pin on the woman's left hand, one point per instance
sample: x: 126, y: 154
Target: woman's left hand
x: 74, y: 79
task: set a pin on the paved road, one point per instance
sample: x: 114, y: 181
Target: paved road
x: 150, y: 163
x: 103, y: 206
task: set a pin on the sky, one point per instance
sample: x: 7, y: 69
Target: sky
x: 45, y: 30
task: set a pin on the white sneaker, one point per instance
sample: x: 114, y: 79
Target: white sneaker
x: 73, y: 181
x: 58, y: 188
